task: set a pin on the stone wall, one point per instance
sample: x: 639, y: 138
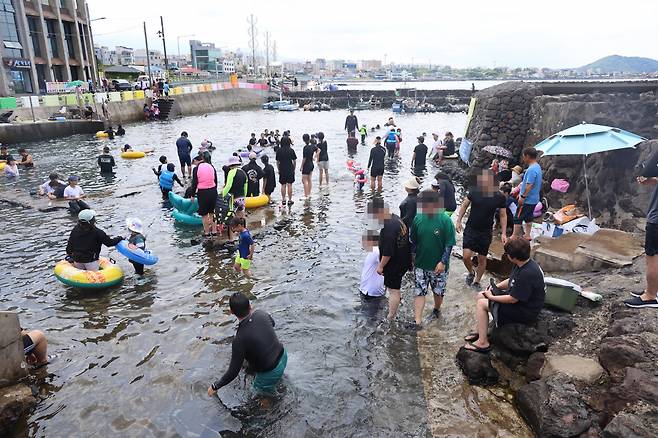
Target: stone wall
x: 16, y: 133
x: 445, y: 100
x: 516, y: 115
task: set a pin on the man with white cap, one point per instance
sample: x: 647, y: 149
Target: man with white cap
x: 85, y: 242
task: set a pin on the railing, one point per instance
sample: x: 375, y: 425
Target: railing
x: 71, y: 99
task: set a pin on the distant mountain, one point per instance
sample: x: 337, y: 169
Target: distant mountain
x: 625, y: 64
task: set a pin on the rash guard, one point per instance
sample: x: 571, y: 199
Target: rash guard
x: 255, y: 341
x: 236, y: 183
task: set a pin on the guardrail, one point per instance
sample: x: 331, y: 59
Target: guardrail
x: 118, y: 96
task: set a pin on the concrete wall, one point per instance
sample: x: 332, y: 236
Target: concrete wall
x: 224, y: 100
x: 23, y: 132
x: 341, y: 98
x: 11, y: 349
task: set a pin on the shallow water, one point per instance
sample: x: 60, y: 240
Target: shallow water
x: 136, y: 360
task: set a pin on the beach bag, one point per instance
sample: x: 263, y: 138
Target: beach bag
x: 560, y: 185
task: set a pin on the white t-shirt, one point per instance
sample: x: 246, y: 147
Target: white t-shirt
x: 73, y: 192
x: 372, y: 283
x: 435, y: 148
x: 47, y: 188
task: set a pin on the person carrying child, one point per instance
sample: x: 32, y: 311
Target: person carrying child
x: 136, y: 240
x: 167, y: 179
x: 245, y: 246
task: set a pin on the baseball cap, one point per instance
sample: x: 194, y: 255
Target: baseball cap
x: 87, y: 215
x: 252, y: 155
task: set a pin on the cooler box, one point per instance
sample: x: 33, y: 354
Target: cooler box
x: 8, y: 103
x: 561, y: 294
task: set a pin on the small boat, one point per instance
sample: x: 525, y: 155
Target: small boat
x: 325, y: 107
x: 426, y: 108
x: 275, y: 105
x: 289, y: 107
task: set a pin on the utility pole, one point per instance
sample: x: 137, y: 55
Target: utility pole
x: 267, y: 53
x: 274, y: 51
x: 252, y: 34
x: 148, y: 57
x: 164, y: 44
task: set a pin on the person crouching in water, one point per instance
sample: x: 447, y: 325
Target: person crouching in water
x: 85, y: 242
x: 75, y: 195
x: 136, y: 241
x: 245, y: 246
x: 167, y: 179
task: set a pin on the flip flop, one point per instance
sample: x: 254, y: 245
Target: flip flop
x: 477, y: 349
x: 471, y: 337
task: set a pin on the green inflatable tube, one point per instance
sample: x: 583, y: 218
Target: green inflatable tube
x: 187, y: 219
x: 183, y: 205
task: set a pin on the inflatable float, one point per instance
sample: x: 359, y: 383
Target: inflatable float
x: 256, y: 201
x: 353, y: 166
x: 2, y: 166
x: 102, y: 134
x: 133, y: 154
x: 187, y: 219
x: 109, y: 275
x: 245, y: 154
x: 136, y: 255
x: 451, y: 157
x: 360, y: 178
x: 183, y: 205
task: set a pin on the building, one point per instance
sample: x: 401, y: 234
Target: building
x: 156, y: 58
x: 104, y: 56
x: 369, y: 65
x: 205, y: 56
x: 123, y: 56
x: 44, y: 41
x: 228, y: 66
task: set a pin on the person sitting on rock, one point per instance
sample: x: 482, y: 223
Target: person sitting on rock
x: 35, y: 348
x: 515, y: 300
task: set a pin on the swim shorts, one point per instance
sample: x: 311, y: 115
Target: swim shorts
x: 425, y: 280
x: 477, y: 241
x: 287, y: 177
x: 239, y: 204
x: 651, y: 239
x: 28, y: 344
x: 393, y: 279
x: 525, y: 214
x: 323, y: 165
x: 185, y: 159
x: 376, y: 171
x: 207, y: 198
x: 245, y: 264
x: 266, y: 382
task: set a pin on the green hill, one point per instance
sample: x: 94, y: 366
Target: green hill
x: 625, y: 64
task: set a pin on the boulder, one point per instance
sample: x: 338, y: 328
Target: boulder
x: 637, y: 421
x: 477, y: 367
x: 617, y: 353
x: 15, y: 401
x: 576, y: 367
x: 553, y: 407
x: 534, y: 365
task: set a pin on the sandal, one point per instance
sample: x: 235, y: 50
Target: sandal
x: 472, y: 347
x: 472, y: 337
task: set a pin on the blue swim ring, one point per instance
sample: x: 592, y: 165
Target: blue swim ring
x: 137, y: 255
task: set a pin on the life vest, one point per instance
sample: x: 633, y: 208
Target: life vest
x: 391, y: 137
x: 167, y: 179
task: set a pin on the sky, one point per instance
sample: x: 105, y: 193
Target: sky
x: 475, y: 33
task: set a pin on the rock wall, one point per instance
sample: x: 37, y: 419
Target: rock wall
x: 516, y: 115
x: 16, y: 133
x: 445, y: 100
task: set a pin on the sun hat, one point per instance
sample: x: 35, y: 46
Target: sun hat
x: 517, y: 169
x: 134, y: 224
x: 252, y: 155
x: 86, y: 215
x: 436, y: 183
x: 411, y: 184
x: 233, y: 161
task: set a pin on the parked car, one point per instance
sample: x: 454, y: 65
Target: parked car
x: 142, y: 83
x: 121, y: 85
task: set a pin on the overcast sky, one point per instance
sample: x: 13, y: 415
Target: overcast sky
x: 559, y: 33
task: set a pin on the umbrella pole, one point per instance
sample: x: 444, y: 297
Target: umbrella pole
x: 589, y: 206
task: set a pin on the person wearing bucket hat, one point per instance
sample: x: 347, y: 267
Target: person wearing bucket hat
x: 75, y: 195
x: 204, y: 187
x: 86, y: 240
x: 136, y: 240
x: 408, y: 206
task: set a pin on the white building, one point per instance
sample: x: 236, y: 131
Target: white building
x: 228, y: 66
x: 156, y: 58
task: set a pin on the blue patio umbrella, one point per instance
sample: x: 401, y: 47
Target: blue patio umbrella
x: 586, y: 139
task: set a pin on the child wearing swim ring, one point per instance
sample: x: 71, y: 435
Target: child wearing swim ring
x: 136, y: 240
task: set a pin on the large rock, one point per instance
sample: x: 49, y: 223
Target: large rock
x: 617, y: 353
x: 637, y: 421
x: 11, y: 349
x: 576, y: 367
x: 477, y: 367
x: 553, y: 407
x: 15, y: 401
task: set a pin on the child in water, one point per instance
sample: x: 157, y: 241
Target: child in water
x: 245, y: 246
x: 167, y: 179
x: 127, y: 148
x: 136, y: 240
x: 11, y: 168
x: 163, y: 162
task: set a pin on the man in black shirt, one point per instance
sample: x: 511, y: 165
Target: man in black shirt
x: 409, y: 206
x: 106, y: 161
x: 262, y: 142
x: 4, y: 153
x: 254, y: 175
x: 269, y: 178
x: 516, y: 300
x: 394, y: 251
x: 253, y: 140
x: 376, y: 163
x: 448, y: 145
x: 419, y: 158
x: 485, y: 200
x: 444, y: 186
x: 256, y: 342
x: 351, y: 123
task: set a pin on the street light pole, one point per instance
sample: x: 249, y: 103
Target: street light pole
x: 148, y: 57
x: 164, y: 44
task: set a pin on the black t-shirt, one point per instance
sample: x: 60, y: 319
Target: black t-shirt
x: 308, y: 152
x: 352, y: 142
x: 285, y: 157
x: 237, y: 187
x: 421, y: 155
x: 448, y: 191
x: 324, y: 151
x: 263, y: 142
x: 394, y: 243
x: 253, y: 141
x: 377, y: 157
x: 270, y: 177
x: 106, y: 163
x: 254, y: 175
x: 408, y: 209
x: 184, y: 147
x: 450, y: 148
x: 527, y: 286
x: 483, y: 209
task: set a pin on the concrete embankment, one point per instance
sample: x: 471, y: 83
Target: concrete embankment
x: 445, y: 100
x: 12, y: 133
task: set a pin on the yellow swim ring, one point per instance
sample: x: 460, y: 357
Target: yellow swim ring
x: 133, y: 154
x: 102, y: 134
x: 256, y: 201
x: 108, y: 275
x: 2, y: 165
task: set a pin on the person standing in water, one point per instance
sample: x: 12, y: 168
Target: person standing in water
x: 419, y: 159
x: 351, y: 123
x: 106, y: 162
x: 364, y: 133
x: 256, y: 342
x: 184, y: 147
x: 204, y: 187
x: 286, y: 160
x: 323, y: 158
x: 376, y: 163
x: 391, y: 142
x: 269, y: 177
x: 308, y: 156
x: 254, y: 175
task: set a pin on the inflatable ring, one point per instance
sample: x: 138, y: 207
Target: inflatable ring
x: 136, y: 255
x: 256, y: 201
x: 2, y: 166
x: 133, y: 154
x: 108, y: 275
x: 183, y: 205
x: 245, y: 154
x: 102, y: 134
x: 187, y: 219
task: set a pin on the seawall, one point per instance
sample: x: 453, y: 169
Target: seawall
x: 446, y: 100
x: 13, y: 133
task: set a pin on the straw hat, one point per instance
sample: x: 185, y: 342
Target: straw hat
x: 411, y: 184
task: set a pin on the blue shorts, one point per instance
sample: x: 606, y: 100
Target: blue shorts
x: 185, y: 159
x: 265, y: 383
x: 525, y: 214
